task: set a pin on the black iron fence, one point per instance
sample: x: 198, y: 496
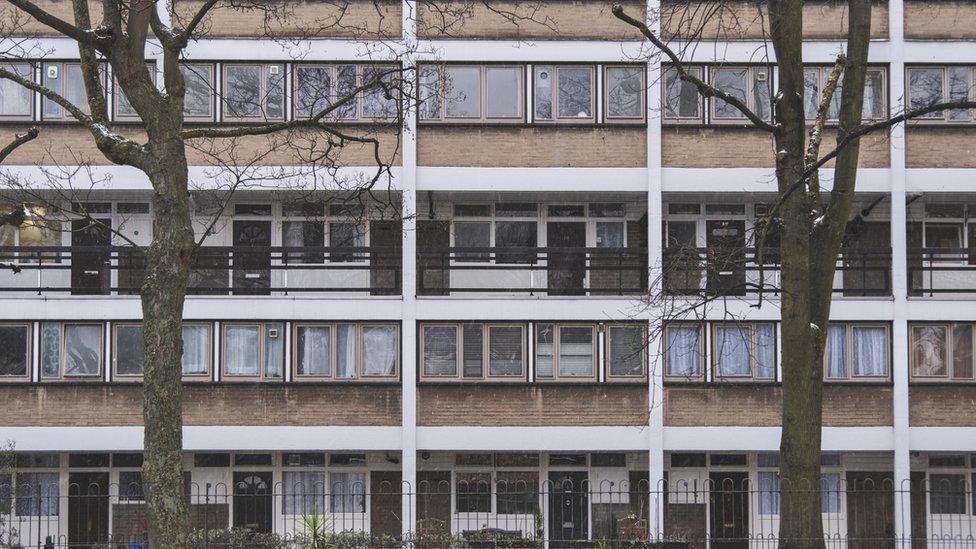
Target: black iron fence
x: 502, y: 509
x: 933, y: 271
x: 215, y: 270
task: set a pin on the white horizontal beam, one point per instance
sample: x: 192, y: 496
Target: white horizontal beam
x: 742, y: 439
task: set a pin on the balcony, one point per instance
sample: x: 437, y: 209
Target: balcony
x: 215, y: 270
x: 547, y: 271
x: 941, y: 271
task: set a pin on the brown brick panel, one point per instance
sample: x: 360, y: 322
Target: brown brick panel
x: 740, y: 147
x: 251, y: 404
x: 761, y: 405
x: 129, y: 520
x: 743, y: 20
x: 532, y: 147
x: 72, y: 145
x: 942, y: 405
x: 940, y: 20
x: 16, y: 21
x: 305, y: 18
x: 531, y: 405
x: 542, y: 20
x: 940, y: 147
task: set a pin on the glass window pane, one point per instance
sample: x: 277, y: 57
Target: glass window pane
x: 473, y: 492
x: 544, y: 337
x: 515, y: 234
x: 242, y: 91
x: 543, y: 93
x: 929, y: 351
x: 735, y: 83
x: 348, y: 492
x: 504, y: 92
x: 346, y: 351
x: 13, y: 350
x: 765, y: 351
x: 924, y: 89
x: 575, y: 93
x: 313, y: 351
x: 870, y: 348
x: 241, y: 349
x: 198, y: 81
x: 130, y: 354
x: 375, y: 101
x: 440, y: 351
x: 625, y: 92
x: 430, y: 92
x: 313, y: 90
x: 303, y: 493
x: 472, y: 235
x: 576, y: 351
x: 38, y: 494
x: 830, y: 493
x: 732, y: 350
x: 379, y: 350
x: 274, y: 355
x: 837, y: 351
x: 473, y: 341
x: 959, y: 90
x: 626, y: 350
x: 768, y: 493
x: 15, y: 100
x: 82, y: 350
x: 196, y: 349
x: 811, y: 92
x: 303, y: 234
x: 681, y: 97
x: 462, y: 90
x: 874, y: 95
x: 947, y: 494
x: 74, y: 90
x: 50, y: 349
x: 505, y: 350
x: 683, y: 351
x: 346, y: 83
x: 610, y: 234
x: 761, y: 93
x: 962, y: 351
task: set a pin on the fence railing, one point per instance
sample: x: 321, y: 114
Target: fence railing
x: 933, y: 271
x: 745, y: 271
x: 215, y: 270
x: 509, y: 509
x: 533, y: 271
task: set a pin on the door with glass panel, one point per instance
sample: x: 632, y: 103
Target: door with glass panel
x: 728, y: 502
x: 252, y: 268
x: 87, y: 509
x: 725, y: 244
x: 384, y: 257
x: 612, y: 266
x: 682, y: 269
x: 90, y: 256
x: 569, y: 510
x: 566, y: 242
x: 253, y: 500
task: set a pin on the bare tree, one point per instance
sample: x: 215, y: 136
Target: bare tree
x: 812, y: 220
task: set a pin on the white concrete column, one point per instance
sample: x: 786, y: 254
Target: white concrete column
x: 408, y: 338
x: 655, y: 256
x: 899, y: 241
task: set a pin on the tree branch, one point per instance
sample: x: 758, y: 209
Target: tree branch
x: 17, y: 142
x: 83, y: 36
x: 183, y: 35
x: 704, y: 88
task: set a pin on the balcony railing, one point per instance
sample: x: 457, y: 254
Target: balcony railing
x: 533, y: 271
x: 741, y: 271
x: 215, y: 270
x: 933, y: 271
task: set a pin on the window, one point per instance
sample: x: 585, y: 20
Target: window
x: 303, y: 493
x: 942, y: 351
x: 123, y: 110
x: 683, y: 352
x: 768, y: 493
x: 517, y: 492
x: 830, y: 493
x: 130, y: 487
x: 751, y: 85
x: 38, y: 494
x: 947, y: 494
x: 38, y: 229
x: 473, y: 351
x: 348, y: 492
x: 317, y: 87
x: 473, y: 492
x: 303, y: 227
x: 254, y: 92
x: 626, y: 353
x: 253, y: 351
x: 682, y: 102
x: 931, y: 85
x: 512, y: 232
x: 472, y: 93
x: 815, y: 80
x: 198, y: 103
x: 16, y: 101
x: 563, y: 93
x: 624, y: 93
x: 345, y: 351
x: 745, y: 351
x: 70, y: 350
x: 128, y: 354
x: 15, y: 351
x: 857, y: 351
x: 565, y: 352
x: 66, y: 80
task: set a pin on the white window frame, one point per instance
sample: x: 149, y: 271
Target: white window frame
x: 697, y: 70
x: 206, y: 376
x: 62, y: 344
x: 334, y: 350
x: 61, y: 90
x: 753, y: 346
x: 608, y: 360
x: 556, y: 118
x: 702, y: 355
x: 950, y: 375
x: 941, y: 117
x: 28, y: 327
x: 30, y: 116
x: 751, y: 75
x: 823, y: 75
x: 266, y: 73
x: 486, y: 374
x: 556, y: 342
x: 263, y: 328
x: 849, y: 354
x: 117, y: 95
x: 642, y: 72
x: 208, y: 69
x: 483, y: 117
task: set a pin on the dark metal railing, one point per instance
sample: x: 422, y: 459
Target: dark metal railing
x: 215, y: 270
x: 745, y: 271
x: 934, y: 271
x: 532, y: 270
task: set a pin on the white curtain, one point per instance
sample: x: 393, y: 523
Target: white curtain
x: 15, y: 99
x: 732, y: 348
x: 626, y: 350
x: 765, y: 351
x: 575, y: 352
x: 304, y: 493
x: 837, y: 352
x: 379, y: 350
x: 348, y: 492
x: 38, y: 494
x: 274, y: 356
x: 346, y: 350
x: 684, y: 351
x: 768, y: 493
x: 241, y: 350
x: 505, y: 350
x: 196, y: 349
x: 82, y: 349
x: 440, y: 350
x: 314, y: 350
x: 544, y: 350
x: 830, y: 493
x: 870, y: 351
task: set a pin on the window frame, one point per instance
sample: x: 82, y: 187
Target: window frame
x: 138, y: 378
x: 117, y: 94
x: 62, y: 91
x: 486, y: 376
x: 62, y: 344
x: 33, y: 114
x: 29, y: 327
x: 750, y: 99
x: 263, y: 91
x: 608, y: 357
x: 607, y: 118
x: 557, y: 377
x: 941, y: 117
x: 699, y: 71
x: 702, y: 355
x: 262, y: 375
x: 211, y: 67
x: 751, y: 377
x: 554, y: 94
x: 849, y: 354
x: 950, y: 375
x: 332, y: 377
x: 483, y: 118
x: 333, y: 68
x: 823, y: 74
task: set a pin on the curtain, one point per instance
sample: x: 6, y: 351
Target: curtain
x: 241, y: 350
x: 575, y: 352
x: 50, y: 349
x: 473, y: 349
x: 870, y: 351
x: 505, y: 350
x: 348, y: 492
x: 196, y: 349
x: 610, y: 234
x: 15, y: 99
x: 544, y: 350
x: 82, y: 349
x: 38, y: 494
x: 346, y: 350
x: 626, y: 350
x: 379, y: 350
x: 130, y: 354
x: 830, y: 493
x: 765, y: 351
x: 837, y: 351
x: 768, y: 493
x: 929, y: 348
x: 732, y: 348
x: 440, y: 350
x: 314, y: 348
x: 684, y: 351
x: 304, y: 493
x: 274, y: 356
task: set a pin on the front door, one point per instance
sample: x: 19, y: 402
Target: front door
x: 725, y: 242
x: 569, y: 509
x: 385, y: 240
x: 252, y: 269
x: 566, y: 241
x: 729, y: 510
x: 87, y: 509
x: 870, y: 510
x: 90, y: 268
x: 253, y: 500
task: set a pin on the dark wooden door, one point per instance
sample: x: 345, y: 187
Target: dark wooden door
x: 433, y: 273
x: 682, y: 268
x: 253, y: 500
x: 725, y: 242
x: 866, y: 273
x: 567, y: 266
x: 729, y: 510
x: 87, y: 509
x: 385, y: 242
x: 569, y: 509
x: 252, y: 269
x: 90, y: 268
x: 870, y: 510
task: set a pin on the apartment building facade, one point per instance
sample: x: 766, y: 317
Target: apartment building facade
x: 466, y: 350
